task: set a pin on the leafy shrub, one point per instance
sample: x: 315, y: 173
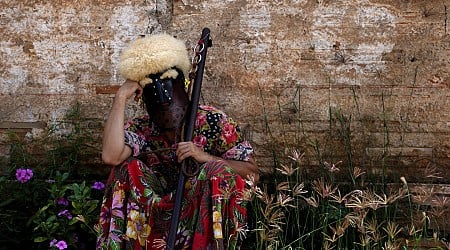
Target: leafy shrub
x: 50, y: 194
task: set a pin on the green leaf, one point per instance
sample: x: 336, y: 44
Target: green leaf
x: 91, y: 208
x: 51, y: 219
x: 43, y: 209
x: 40, y: 239
x: 73, y: 221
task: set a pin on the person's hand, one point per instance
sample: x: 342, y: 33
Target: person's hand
x: 188, y: 149
x: 130, y: 88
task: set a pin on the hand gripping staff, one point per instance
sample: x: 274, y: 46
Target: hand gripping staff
x: 198, y: 63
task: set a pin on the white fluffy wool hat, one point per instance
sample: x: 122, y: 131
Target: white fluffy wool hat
x: 152, y: 55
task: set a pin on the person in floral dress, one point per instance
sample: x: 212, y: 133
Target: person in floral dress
x: 147, y: 152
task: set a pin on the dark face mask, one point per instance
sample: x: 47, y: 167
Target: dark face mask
x: 159, y: 92
x: 166, y: 102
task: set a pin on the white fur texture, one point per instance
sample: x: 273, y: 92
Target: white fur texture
x: 153, y: 54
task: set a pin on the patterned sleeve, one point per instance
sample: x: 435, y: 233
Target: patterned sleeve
x: 240, y: 152
x: 133, y: 137
x: 224, y: 133
x: 231, y: 135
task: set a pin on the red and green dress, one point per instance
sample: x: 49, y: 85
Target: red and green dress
x: 139, y: 197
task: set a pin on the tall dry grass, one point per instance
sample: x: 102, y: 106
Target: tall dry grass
x: 341, y: 206
x: 319, y: 214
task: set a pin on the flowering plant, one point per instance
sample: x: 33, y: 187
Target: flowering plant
x: 69, y: 215
x: 49, y: 192
x: 24, y: 175
x: 57, y: 212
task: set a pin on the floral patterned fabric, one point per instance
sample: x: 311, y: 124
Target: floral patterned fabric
x: 139, y: 199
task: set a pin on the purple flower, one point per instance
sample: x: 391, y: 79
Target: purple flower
x: 62, y: 201
x: 59, y: 244
x: 53, y: 242
x: 98, y: 185
x: 24, y: 175
x: 65, y: 213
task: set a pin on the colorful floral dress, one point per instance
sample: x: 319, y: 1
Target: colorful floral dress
x: 139, y: 199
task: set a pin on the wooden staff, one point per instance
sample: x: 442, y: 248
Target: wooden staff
x: 203, y: 43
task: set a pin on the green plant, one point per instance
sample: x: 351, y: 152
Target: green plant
x: 50, y: 194
x: 70, y: 212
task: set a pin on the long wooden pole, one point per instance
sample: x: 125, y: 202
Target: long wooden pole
x: 204, y: 43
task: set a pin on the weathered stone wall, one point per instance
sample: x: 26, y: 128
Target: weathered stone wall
x: 295, y: 73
